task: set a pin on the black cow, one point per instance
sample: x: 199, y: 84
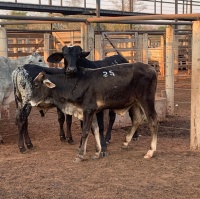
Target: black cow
x: 75, y: 60
x: 21, y: 100
x: 125, y: 87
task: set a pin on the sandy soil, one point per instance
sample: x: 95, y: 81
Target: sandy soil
x: 48, y: 171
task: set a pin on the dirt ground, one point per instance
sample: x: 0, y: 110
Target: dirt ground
x: 48, y: 171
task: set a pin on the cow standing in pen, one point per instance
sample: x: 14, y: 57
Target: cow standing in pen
x: 125, y: 87
x: 7, y: 66
x: 23, y: 109
x: 75, y: 60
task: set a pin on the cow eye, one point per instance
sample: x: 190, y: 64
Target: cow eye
x: 40, y: 60
x: 36, y: 85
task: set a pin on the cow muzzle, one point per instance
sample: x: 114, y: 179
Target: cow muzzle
x: 71, y: 70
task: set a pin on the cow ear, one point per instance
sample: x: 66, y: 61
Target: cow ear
x: 40, y: 76
x: 84, y: 54
x: 55, y: 57
x: 49, y: 84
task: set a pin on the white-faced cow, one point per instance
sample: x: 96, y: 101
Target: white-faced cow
x: 125, y: 87
x: 75, y: 60
x: 7, y: 66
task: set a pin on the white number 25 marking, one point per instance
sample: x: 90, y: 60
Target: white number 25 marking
x: 109, y: 73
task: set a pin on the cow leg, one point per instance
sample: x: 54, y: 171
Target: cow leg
x: 95, y: 132
x: 153, y: 125
x: 100, y: 122
x: 136, y: 115
x: 25, y: 115
x: 112, y: 116
x: 61, y: 120
x: 87, y: 123
x: 69, y: 132
x: 22, y: 122
x: 1, y: 140
x: 135, y: 135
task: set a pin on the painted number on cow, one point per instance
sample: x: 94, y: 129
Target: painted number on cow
x: 109, y: 73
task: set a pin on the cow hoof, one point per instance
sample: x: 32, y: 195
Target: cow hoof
x: 124, y: 146
x: 70, y: 141
x: 104, y: 154
x: 62, y: 139
x: 30, y: 146
x: 22, y: 150
x: 107, y: 142
x: 149, y: 154
x: 135, y: 139
x: 78, y: 159
x: 95, y: 157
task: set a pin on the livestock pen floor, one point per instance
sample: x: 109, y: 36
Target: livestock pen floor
x: 48, y: 171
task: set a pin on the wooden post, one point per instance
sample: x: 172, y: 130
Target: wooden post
x: 98, y: 54
x: 46, y: 46
x: 4, y: 109
x: 162, y: 57
x: 169, y: 75
x: 195, y: 98
x: 15, y: 50
x: 138, y: 44
x: 87, y: 39
x: 4, y: 42
x: 145, y: 49
x: 130, y: 45
x: 176, y: 55
x: 189, y: 55
x: 71, y: 37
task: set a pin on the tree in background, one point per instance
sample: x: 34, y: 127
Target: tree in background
x: 128, y: 5
x: 16, y: 13
x: 74, y: 3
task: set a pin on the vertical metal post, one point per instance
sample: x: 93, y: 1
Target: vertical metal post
x: 98, y: 12
x: 161, y: 6
x: 154, y: 6
x: 85, y: 5
x: 169, y: 73
x: 195, y: 97
x: 176, y: 12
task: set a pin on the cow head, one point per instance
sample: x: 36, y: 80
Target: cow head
x: 36, y: 58
x: 40, y: 90
x: 72, y: 55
